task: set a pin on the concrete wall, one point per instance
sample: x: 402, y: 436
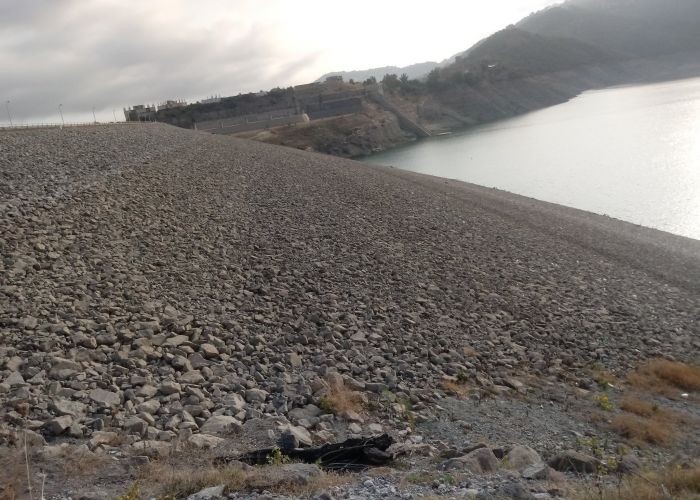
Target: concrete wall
x: 219, y: 127
x: 334, y: 108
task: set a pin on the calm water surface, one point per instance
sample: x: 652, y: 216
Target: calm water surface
x: 632, y: 153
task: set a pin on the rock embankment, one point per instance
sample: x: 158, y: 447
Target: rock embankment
x: 167, y: 285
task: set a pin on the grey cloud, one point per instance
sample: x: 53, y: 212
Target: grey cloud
x: 83, y: 56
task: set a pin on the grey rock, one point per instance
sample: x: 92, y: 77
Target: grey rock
x: 255, y: 395
x: 221, y: 425
x: 59, y: 425
x: 520, y: 457
x: 213, y: 492
x: 169, y: 387
x: 66, y: 407
x: 573, y: 461
x: 479, y: 461
x: 106, y: 398
x: 205, y: 441
x: 13, y: 379
x: 135, y: 425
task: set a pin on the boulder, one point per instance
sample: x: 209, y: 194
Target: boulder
x: 169, y: 387
x: 300, y: 435
x: 255, y: 395
x: 221, y: 425
x: 103, y: 438
x: 479, y: 461
x: 205, y: 441
x: 573, y: 461
x: 520, y: 457
x: 59, y: 425
x: 135, y: 425
x: 105, y: 398
x: 66, y: 407
x: 208, y: 493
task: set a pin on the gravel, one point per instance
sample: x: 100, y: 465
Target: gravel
x: 168, y: 283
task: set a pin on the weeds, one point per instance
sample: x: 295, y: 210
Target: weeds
x: 407, y: 407
x: 640, y: 430
x: 171, y: 482
x: 458, y: 389
x: 604, y: 402
x: 340, y: 399
x: 132, y: 493
x: 276, y: 457
x: 674, y: 482
x: 666, y: 377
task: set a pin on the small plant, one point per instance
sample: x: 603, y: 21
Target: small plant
x: 408, y: 413
x: 604, y: 402
x: 593, y: 446
x: 462, y: 377
x: 276, y: 457
x: 326, y: 405
x: 603, y: 378
x: 340, y: 399
x: 132, y: 493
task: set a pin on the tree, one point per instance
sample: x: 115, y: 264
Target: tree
x: 404, y: 79
x: 434, y: 81
x: 391, y: 82
x: 370, y: 81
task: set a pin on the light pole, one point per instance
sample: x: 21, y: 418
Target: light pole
x: 114, y: 113
x: 94, y: 119
x: 60, y: 112
x: 7, y: 105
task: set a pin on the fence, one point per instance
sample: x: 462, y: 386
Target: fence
x: 32, y: 126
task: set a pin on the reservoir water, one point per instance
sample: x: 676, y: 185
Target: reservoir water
x: 632, y: 153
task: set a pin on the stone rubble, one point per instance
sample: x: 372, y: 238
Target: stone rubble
x: 161, y: 286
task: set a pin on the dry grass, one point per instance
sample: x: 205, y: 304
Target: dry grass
x: 643, y: 430
x: 166, y: 481
x: 668, y: 378
x: 456, y: 389
x: 13, y: 475
x: 81, y: 463
x: 673, y: 482
x: 639, y: 407
x: 340, y: 399
x: 646, y: 421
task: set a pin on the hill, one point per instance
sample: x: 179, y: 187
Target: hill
x: 418, y: 70
x: 635, y: 28
x: 524, y: 53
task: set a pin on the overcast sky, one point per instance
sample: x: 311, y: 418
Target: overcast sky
x: 109, y: 54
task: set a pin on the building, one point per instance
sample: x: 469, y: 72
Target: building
x: 211, y: 100
x: 171, y: 105
x: 140, y: 113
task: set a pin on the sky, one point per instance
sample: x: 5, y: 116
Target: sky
x: 110, y: 54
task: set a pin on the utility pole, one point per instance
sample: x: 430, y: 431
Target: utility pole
x: 93, y: 115
x: 114, y: 113
x: 60, y: 112
x: 7, y: 105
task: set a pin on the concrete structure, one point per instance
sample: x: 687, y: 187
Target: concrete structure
x: 140, y: 113
x: 172, y: 104
x: 260, y: 121
x: 211, y: 100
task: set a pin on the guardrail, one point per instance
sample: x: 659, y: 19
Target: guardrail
x: 31, y: 126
